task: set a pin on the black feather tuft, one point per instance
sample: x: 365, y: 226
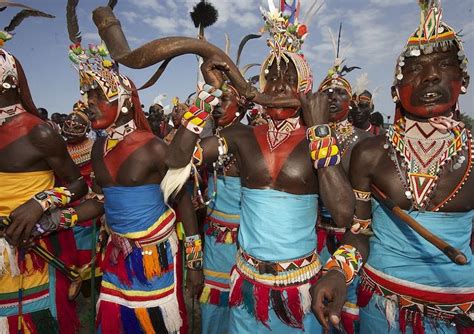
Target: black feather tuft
x: 23, y: 14
x: 204, y: 14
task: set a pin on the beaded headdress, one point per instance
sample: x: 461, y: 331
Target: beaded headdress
x: 287, y: 36
x: 335, y: 77
x: 431, y: 34
x: 96, y: 69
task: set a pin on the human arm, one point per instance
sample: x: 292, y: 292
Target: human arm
x: 194, y: 275
x: 329, y: 294
x: 183, y: 144
x: 332, y: 177
x: 52, y: 149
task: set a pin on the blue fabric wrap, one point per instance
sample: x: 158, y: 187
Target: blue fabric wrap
x: 227, y: 199
x: 133, y: 209
x: 220, y: 257
x: 277, y: 226
x: 398, y: 251
x: 241, y: 322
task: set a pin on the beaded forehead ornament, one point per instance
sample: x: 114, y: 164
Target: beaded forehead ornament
x: 431, y: 34
x: 287, y: 36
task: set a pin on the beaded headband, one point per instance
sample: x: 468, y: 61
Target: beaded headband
x: 431, y: 34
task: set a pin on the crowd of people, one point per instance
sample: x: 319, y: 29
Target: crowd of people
x: 285, y: 209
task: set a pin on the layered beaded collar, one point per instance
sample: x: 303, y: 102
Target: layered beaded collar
x: 10, y: 111
x: 117, y: 134
x: 279, y: 131
x: 424, y: 150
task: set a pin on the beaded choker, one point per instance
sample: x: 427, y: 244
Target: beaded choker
x: 10, y: 111
x: 279, y: 131
x: 424, y: 151
x: 116, y: 134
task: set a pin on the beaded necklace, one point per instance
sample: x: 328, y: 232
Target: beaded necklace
x: 116, y: 134
x: 9, y: 112
x: 345, y: 135
x: 424, y: 151
x: 81, y: 153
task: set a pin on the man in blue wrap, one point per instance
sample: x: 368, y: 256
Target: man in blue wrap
x: 423, y: 165
x: 281, y: 179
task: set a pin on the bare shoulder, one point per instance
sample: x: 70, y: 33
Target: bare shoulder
x: 368, y: 151
x: 157, y: 147
x: 47, y: 140
x: 238, y: 129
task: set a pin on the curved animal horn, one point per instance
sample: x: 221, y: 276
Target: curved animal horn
x: 160, y: 49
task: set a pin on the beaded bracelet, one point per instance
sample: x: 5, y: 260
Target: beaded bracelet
x: 359, y: 225
x: 324, y: 150
x: 193, y: 247
x: 57, y: 197
x: 346, y: 259
x: 195, y: 118
x: 68, y: 218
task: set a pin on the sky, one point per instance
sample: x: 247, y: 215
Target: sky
x: 373, y: 35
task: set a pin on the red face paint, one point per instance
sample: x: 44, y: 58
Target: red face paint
x: 412, y: 104
x: 102, y: 112
x: 230, y: 108
x: 281, y: 113
x: 340, y: 115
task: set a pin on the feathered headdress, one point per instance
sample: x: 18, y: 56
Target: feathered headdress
x: 432, y: 33
x: 335, y: 77
x: 95, y: 67
x: 287, y: 36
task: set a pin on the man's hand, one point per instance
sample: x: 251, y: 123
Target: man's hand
x: 315, y: 108
x: 212, y: 70
x: 328, y: 297
x: 23, y: 220
x: 194, y: 282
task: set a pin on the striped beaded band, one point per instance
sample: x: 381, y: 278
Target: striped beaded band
x: 363, y: 196
x: 347, y: 259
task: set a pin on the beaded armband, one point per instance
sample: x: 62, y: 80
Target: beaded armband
x: 364, y: 196
x: 195, y: 118
x: 193, y: 247
x: 360, y: 225
x: 347, y: 260
x: 68, y: 218
x: 324, y: 150
x: 57, y: 197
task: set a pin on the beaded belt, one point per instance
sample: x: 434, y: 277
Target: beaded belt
x: 411, y: 307
x: 283, y: 273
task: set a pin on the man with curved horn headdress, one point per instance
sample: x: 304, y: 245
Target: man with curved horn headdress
x: 421, y: 172
x: 141, y: 283
x: 281, y: 178
x: 33, y: 296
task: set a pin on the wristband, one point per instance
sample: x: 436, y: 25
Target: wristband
x: 57, y: 197
x: 193, y: 247
x: 347, y: 258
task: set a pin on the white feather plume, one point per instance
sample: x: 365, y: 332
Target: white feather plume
x: 362, y: 83
x: 174, y: 181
